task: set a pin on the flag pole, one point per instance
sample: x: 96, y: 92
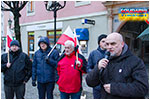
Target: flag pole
x: 76, y: 45
x: 8, y: 57
x: 52, y: 49
x: 8, y: 41
x: 77, y: 56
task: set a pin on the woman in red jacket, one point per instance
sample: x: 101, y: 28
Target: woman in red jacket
x: 70, y: 72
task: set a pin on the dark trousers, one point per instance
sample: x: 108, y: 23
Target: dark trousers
x: 97, y: 92
x: 46, y: 89
x: 64, y: 95
x: 10, y: 91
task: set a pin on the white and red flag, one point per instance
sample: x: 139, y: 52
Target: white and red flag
x: 8, y: 38
x: 67, y: 35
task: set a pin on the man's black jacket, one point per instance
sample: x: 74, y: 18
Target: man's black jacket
x: 126, y: 74
x: 20, y: 70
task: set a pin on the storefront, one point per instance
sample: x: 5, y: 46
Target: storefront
x: 130, y: 30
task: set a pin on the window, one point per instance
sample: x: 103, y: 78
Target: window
x: 31, y: 44
x: 31, y: 8
x: 82, y: 3
x: 50, y: 35
x: 84, y: 47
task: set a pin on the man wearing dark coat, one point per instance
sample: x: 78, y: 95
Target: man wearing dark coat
x: 44, y: 69
x: 124, y: 76
x: 95, y: 56
x: 17, y: 71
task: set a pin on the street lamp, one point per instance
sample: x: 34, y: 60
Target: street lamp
x: 54, y: 6
x: 9, y: 23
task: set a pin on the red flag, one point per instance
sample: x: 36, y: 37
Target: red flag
x: 67, y: 35
x: 8, y: 39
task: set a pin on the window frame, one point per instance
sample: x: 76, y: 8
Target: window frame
x: 31, y: 38
x: 82, y: 3
x: 31, y: 13
x: 57, y: 37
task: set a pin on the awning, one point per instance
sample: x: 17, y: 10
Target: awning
x: 82, y: 34
x: 144, y: 36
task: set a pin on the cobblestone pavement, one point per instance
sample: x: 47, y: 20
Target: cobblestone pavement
x: 32, y: 93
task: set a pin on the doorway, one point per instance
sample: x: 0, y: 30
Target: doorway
x: 130, y: 31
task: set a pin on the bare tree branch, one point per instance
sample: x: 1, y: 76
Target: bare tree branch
x: 5, y: 9
x: 15, y: 7
x: 20, y: 3
x: 17, y: 4
x: 8, y: 3
x: 22, y: 6
x: 14, y: 2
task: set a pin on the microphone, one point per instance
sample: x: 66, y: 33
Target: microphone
x: 107, y: 55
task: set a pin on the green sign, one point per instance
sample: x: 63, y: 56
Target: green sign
x: 52, y: 32
x: 31, y: 33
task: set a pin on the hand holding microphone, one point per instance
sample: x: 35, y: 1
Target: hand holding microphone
x: 103, y: 62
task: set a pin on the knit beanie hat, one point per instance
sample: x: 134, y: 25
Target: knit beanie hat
x: 15, y: 42
x: 101, y: 37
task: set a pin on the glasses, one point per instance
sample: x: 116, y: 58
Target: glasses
x: 67, y: 47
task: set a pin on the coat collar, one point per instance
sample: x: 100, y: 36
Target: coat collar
x: 102, y: 51
x: 73, y: 53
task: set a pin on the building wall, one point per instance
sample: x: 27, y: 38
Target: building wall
x: 69, y: 10
x: 24, y: 39
x: 37, y: 37
x: 94, y: 30
x: 71, y: 16
x: 2, y: 23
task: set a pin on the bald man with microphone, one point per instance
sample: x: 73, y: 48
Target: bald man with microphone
x: 124, y: 75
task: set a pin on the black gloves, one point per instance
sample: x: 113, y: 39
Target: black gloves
x: 76, y: 48
x: 47, y: 59
x: 33, y: 83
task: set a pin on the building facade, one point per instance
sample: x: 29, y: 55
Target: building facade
x: 37, y: 22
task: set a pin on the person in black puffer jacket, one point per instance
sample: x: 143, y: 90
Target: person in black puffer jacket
x: 17, y: 72
x: 124, y: 76
x: 95, y: 56
x: 44, y: 69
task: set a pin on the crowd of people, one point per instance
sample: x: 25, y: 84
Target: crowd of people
x: 119, y: 75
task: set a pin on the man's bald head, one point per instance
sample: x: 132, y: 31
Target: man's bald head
x: 115, y: 43
x: 115, y: 36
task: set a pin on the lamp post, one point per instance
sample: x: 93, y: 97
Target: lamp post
x: 54, y: 6
x: 9, y: 23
